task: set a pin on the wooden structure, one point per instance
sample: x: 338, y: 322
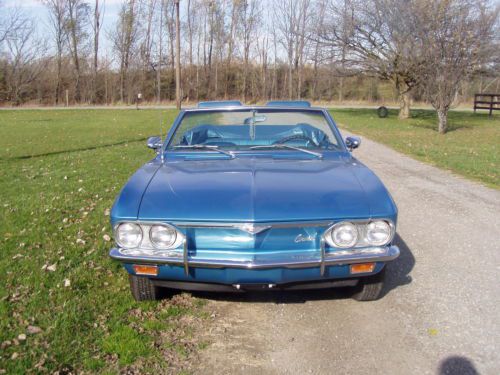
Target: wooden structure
x: 490, y: 102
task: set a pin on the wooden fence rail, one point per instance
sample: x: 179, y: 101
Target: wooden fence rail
x: 490, y: 102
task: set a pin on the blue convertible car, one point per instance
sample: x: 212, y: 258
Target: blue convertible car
x: 254, y: 197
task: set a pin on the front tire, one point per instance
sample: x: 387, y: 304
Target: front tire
x: 143, y: 289
x: 369, y: 288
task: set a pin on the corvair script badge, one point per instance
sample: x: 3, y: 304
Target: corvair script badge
x: 302, y: 238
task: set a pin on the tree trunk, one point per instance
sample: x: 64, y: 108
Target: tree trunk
x: 189, y: 73
x: 404, y: 105
x: 73, y: 41
x: 58, y: 79
x: 158, y: 69
x: 442, y: 120
x: 177, y: 57
x: 97, y: 28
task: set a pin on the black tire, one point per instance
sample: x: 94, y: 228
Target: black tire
x: 143, y: 288
x: 370, y: 288
x: 382, y: 112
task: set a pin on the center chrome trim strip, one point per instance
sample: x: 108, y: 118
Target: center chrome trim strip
x: 243, y: 225
x: 376, y: 254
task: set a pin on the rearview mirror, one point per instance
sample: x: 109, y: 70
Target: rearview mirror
x: 352, y: 142
x: 254, y: 119
x: 154, y: 143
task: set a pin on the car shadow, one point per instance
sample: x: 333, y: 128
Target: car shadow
x: 399, y: 270
x: 398, y: 274
x: 455, y: 365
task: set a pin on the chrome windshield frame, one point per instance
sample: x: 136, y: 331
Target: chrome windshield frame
x: 331, y: 123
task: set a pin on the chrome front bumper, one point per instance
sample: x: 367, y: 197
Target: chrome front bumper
x: 340, y: 257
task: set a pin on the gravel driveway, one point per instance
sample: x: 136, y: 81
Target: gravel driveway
x: 441, y: 309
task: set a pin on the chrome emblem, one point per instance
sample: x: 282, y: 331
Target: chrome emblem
x: 302, y: 238
x: 253, y: 229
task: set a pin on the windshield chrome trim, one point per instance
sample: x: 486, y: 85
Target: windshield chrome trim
x: 328, y: 117
x: 284, y: 146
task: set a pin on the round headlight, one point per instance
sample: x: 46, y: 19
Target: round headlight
x: 378, y: 233
x: 344, y: 235
x: 162, y: 236
x: 128, y: 235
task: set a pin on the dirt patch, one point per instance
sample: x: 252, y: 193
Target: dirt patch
x: 238, y: 340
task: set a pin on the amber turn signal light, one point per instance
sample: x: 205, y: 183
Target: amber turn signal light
x: 140, y: 269
x: 362, y: 267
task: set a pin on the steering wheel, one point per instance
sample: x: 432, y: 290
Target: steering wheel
x: 295, y: 137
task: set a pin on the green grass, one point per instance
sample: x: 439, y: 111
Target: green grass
x: 31, y: 133
x: 60, y: 171
x: 470, y: 148
x: 47, y: 203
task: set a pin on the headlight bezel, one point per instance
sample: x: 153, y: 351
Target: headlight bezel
x: 165, y: 225
x: 146, y: 242
x: 362, y: 229
x: 117, y: 236
x: 331, y: 231
x: 378, y: 243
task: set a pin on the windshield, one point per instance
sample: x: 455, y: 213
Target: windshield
x: 246, y: 129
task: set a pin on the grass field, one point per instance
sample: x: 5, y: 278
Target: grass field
x: 470, y: 148
x: 54, y: 267
x: 59, y: 173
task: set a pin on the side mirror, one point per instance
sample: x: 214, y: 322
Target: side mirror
x: 154, y: 143
x: 352, y: 142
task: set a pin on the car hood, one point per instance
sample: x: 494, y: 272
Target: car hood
x: 264, y: 190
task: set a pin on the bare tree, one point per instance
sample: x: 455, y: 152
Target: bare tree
x: 170, y: 26
x: 274, y: 82
x: 11, y: 20
x: 304, y: 19
x: 57, y: 20
x: 317, y: 54
x: 285, y: 19
x: 192, y: 10
x: 456, y: 39
x: 378, y: 38
x: 76, y: 24
x: 231, y: 39
x: 263, y: 48
x: 250, y: 12
x: 26, y: 53
x: 210, y: 28
x: 256, y: 50
x: 96, y: 28
x: 124, y: 40
x: 160, y: 51
x: 177, y: 55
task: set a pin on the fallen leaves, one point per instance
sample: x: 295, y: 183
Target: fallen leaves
x: 50, y: 268
x: 5, y: 344
x: 432, y: 332
x: 33, y: 330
